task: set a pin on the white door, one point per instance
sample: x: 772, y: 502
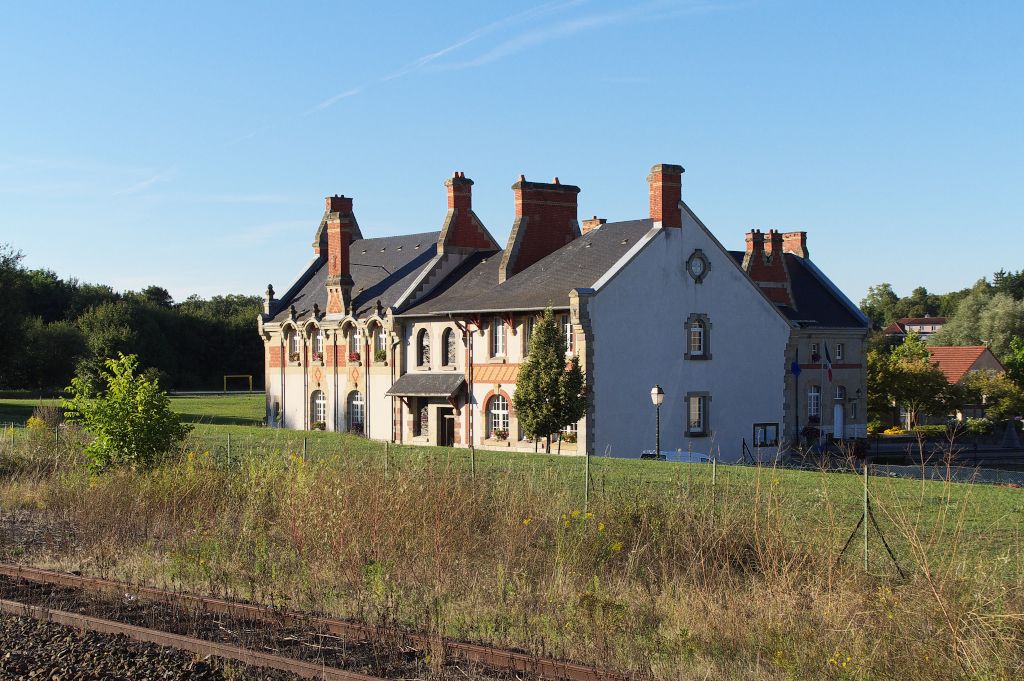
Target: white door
x: 837, y: 421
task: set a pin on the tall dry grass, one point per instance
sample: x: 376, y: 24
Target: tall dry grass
x: 674, y: 580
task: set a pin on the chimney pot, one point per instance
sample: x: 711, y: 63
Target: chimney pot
x: 522, y: 178
x: 555, y: 181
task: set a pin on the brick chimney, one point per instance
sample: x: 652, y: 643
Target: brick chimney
x: 545, y: 221
x: 766, y: 265
x: 666, y: 193
x: 795, y: 243
x: 339, y: 223
x: 592, y: 223
x: 463, y: 232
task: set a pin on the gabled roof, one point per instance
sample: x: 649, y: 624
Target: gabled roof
x: 956, y: 361
x: 382, y: 269
x: 923, y: 320
x: 417, y: 384
x: 474, y: 287
x: 817, y: 305
x: 893, y: 328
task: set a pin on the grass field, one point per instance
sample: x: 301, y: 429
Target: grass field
x: 658, y: 572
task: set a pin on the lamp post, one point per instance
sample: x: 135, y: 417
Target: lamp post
x: 657, y: 395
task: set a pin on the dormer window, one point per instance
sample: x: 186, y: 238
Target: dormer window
x: 448, y: 348
x: 423, y: 348
x: 498, y: 337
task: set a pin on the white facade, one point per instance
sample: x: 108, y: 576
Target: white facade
x: 639, y: 325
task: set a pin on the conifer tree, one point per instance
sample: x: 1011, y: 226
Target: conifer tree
x: 549, y: 393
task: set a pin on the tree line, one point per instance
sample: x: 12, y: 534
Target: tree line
x: 988, y: 313
x: 54, y: 330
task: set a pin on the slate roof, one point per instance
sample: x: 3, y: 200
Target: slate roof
x: 817, y: 306
x: 474, y: 287
x: 424, y: 384
x: 382, y: 269
x: 956, y: 361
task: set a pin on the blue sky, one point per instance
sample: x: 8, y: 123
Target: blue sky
x: 190, y: 145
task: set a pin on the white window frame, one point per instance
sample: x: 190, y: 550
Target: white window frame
x: 839, y: 351
x: 356, y: 407
x: 497, y: 415
x: 814, y: 401
x: 380, y: 340
x: 840, y: 392
x: 531, y: 326
x: 294, y: 342
x: 318, y: 341
x: 318, y: 402
x: 497, y: 337
x: 570, y: 335
x: 814, y: 349
x: 695, y: 414
x: 696, y: 332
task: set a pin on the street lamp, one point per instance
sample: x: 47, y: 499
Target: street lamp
x: 657, y: 395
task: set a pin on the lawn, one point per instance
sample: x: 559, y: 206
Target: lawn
x: 658, y: 570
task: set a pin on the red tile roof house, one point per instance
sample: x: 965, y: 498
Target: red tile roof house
x: 956, y: 362
x: 924, y: 326
x: 419, y: 338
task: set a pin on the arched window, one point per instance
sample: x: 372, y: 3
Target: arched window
x: 318, y: 410
x: 318, y: 340
x: 814, y: 401
x: 696, y: 338
x: 423, y: 348
x: 697, y: 341
x: 497, y: 417
x: 448, y: 348
x: 295, y: 342
x: 380, y: 343
x: 840, y: 392
x: 355, y: 412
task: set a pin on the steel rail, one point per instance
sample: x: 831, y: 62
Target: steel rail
x: 198, y: 646
x: 494, y: 657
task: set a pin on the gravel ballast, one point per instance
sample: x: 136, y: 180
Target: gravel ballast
x: 34, y: 650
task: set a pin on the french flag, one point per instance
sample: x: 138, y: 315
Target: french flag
x: 827, y: 364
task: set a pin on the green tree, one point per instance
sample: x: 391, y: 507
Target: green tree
x: 1015, y: 361
x: 880, y: 382
x: 984, y: 319
x: 920, y: 387
x: 130, y: 420
x: 549, y: 395
x: 880, y: 305
x: 1002, y: 397
x: 913, y: 348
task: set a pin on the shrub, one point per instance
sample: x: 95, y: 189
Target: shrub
x: 979, y: 426
x: 895, y: 430
x: 131, y: 421
x: 875, y: 427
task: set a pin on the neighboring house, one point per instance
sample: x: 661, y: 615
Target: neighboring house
x: 956, y: 362
x: 924, y: 326
x: 419, y: 338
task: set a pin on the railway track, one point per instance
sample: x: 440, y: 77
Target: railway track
x: 512, y: 662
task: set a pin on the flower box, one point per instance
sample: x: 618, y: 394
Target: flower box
x: 319, y: 425
x: 380, y: 356
x: 353, y: 356
x: 294, y: 356
x: 499, y: 435
x: 569, y: 437
x: 356, y: 429
x: 318, y: 356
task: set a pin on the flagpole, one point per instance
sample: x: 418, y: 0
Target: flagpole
x: 821, y: 391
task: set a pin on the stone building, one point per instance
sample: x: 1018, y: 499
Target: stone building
x: 419, y: 338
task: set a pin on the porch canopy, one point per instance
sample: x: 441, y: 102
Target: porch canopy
x: 416, y: 384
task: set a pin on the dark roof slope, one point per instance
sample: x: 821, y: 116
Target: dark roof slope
x: 816, y: 305
x: 382, y: 269
x: 474, y: 285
